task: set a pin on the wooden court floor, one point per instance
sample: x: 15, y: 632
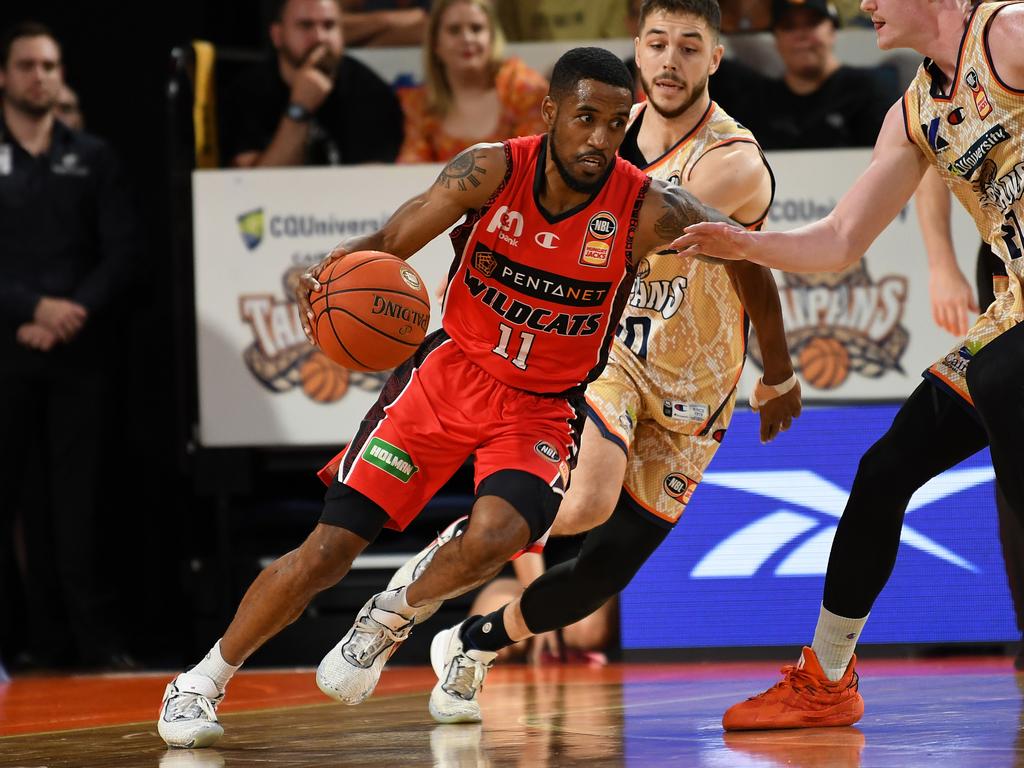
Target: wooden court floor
x: 928, y: 713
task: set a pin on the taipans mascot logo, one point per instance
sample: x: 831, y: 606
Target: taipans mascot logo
x: 250, y: 227
x: 843, y: 323
x: 280, y: 358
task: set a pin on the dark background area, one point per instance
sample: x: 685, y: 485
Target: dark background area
x: 182, y: 532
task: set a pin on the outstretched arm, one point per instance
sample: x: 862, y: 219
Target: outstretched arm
x: 842, y: 237
x: 466, y: 183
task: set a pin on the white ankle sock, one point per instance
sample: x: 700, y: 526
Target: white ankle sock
x: 215, y: 668
x: 835, y: 637
x: 394, y: 600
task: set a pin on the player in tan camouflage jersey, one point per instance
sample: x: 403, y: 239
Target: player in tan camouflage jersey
x: 964, y: 116
x: 658, y: 412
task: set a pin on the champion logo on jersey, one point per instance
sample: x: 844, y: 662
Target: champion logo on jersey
x: 956, y: 116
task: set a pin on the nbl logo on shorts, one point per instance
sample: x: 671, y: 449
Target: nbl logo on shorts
x: 548, y: 451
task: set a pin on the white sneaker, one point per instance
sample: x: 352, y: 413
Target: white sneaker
x: 188, y: 714
x: 460, y: 677
x: 418, y: 563
x: 350, y: 670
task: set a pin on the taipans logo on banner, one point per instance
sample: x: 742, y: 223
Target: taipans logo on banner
x: 281, y: 359
x: 254, y: 225
x: 811, y: 530
x: 842, y: 324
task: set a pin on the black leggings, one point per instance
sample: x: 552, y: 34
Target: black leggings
x: 610, y: 556
x: 931, y: 433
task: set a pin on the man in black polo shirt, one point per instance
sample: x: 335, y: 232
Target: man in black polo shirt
x: 818, y: 102
x: 311, y: 104
x: 67, y: 243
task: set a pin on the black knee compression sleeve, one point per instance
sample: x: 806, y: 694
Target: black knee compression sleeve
x: 611, y: 554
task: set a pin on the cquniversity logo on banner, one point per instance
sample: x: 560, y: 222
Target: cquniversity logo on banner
x: 250, y: 227
x: 746, y: 563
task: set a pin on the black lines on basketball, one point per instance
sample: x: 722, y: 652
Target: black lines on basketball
x: 372, y: 327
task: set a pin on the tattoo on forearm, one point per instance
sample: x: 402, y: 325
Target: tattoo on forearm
x: 462, y: 171
x: 680, y: 210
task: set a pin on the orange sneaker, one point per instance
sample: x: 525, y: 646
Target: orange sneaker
x: 805, y: 698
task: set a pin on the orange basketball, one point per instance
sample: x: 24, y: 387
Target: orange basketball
x: 824, y: 362
x: 372, y: 311
x: 323, y: 380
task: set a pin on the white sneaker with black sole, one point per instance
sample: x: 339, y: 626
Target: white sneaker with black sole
x: 460, y: 677
x: 351, y: 670
x: 418, y: 563
x: 188, y: 714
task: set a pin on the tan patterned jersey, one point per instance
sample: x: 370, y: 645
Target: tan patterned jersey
x: 973, y: 132
x: 682, y: 336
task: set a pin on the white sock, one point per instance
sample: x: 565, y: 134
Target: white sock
x: 215, y: 668
x: 835, y: 637
x: 394, y: 600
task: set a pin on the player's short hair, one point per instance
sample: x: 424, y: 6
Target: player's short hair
x: 17, y: 32
x: 588, y: 64
x: 277, y: 9
x: 704, y: 9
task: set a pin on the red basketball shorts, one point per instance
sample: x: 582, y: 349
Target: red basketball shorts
x: 436, y: 411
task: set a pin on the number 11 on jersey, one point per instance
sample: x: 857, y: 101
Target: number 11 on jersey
x: 519, y: 361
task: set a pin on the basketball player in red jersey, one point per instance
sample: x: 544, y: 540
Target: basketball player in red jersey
x: 963, y: 115
x: 545, y: 261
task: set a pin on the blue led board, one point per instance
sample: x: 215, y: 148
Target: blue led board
x: 746, y: 564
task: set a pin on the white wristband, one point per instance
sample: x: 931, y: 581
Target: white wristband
x: 762, y: 392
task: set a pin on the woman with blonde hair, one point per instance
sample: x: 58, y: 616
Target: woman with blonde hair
x: 470, y: 92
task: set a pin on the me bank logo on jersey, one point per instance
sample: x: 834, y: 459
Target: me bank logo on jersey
x: 745, y: 564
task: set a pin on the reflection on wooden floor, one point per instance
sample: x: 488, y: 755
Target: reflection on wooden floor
x: 948, y: 714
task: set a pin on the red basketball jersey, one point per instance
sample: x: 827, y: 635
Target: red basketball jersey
x: 532, y: 298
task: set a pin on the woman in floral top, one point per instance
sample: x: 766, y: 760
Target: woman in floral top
x: 470, y: 93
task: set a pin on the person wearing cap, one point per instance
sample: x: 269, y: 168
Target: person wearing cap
x: 819, y: 102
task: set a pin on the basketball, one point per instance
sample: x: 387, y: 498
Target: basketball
x: 371, y: 313
x: 824, y: 362
x: 323, y: 380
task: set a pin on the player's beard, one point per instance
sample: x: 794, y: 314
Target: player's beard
x: 695, y: 93
x: 573, y: 183
x: 35, y: 108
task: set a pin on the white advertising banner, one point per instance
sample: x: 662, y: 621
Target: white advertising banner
x: 863, y: 335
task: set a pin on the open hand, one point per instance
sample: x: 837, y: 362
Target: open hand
x: 308, y: 283
x: 777, y: 414
x: 714, y: 239
x: 953, y: 303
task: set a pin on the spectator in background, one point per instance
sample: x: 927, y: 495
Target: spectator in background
x: 69, y: 243
x: 471, y: 93
x: 374, y: 23
x: 819, y: 102
x: 311, y: 104
x: 562, y: 19
x: 69, y: 111
x: 741, y: 16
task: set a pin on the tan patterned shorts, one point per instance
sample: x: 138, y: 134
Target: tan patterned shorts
x: 663, y: 467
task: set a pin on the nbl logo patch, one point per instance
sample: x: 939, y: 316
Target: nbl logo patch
x: 679, y: 487
x: 548, y: 451
x: 597, y: 246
